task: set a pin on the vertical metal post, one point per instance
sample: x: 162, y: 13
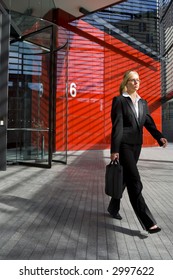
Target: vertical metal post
x: 51, y: 95
x: 4, y: 55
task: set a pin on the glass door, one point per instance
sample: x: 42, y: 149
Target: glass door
x: 32, y: 115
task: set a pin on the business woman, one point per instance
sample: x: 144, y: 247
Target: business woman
x: 129, y: 115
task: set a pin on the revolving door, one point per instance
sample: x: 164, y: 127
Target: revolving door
x: 37, y: 100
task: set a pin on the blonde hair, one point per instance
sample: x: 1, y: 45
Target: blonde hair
x: 126, y: 77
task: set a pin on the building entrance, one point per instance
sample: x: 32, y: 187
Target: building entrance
x: 37, y: 86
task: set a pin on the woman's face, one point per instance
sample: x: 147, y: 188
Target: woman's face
x: 133, y: 83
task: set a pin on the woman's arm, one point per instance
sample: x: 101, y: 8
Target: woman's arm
x: 151, y: 127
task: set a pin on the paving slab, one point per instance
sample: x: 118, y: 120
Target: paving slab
x: 61, y: 213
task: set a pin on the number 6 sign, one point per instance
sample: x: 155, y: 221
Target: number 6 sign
x: 73, y: 90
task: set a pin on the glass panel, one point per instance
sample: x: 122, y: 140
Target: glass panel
x: 60, y: 110
x: 166, y: 27
x: 27, y: 146
x: 29, y: 104
x: 30, y: 7
x: 134, y: 22
x: 31, y: 29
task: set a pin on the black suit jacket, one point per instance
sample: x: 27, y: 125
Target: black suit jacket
x: 127, y: 127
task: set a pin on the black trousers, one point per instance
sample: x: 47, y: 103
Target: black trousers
x: 129, y: 155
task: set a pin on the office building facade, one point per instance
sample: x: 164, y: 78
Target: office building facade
x: 64, y: 71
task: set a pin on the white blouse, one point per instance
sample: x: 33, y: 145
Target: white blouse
x: 135, y: 103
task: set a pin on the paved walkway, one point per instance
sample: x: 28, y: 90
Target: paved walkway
x: 61, y: 213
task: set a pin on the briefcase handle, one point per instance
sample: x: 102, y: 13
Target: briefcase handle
x: 115, y: 161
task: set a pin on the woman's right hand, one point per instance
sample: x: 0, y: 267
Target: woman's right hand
x: 114, y: 156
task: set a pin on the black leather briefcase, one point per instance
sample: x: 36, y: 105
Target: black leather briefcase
x: 114, y: 179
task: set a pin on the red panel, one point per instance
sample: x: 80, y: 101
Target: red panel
x: 96, y: 65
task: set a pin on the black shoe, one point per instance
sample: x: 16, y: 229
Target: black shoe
x: 154, y: 230
x: 115, y: 216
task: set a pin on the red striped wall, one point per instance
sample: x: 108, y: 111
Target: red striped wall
x: 96, y: 64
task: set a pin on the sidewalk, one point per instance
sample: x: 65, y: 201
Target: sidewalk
x: 61, y: 213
